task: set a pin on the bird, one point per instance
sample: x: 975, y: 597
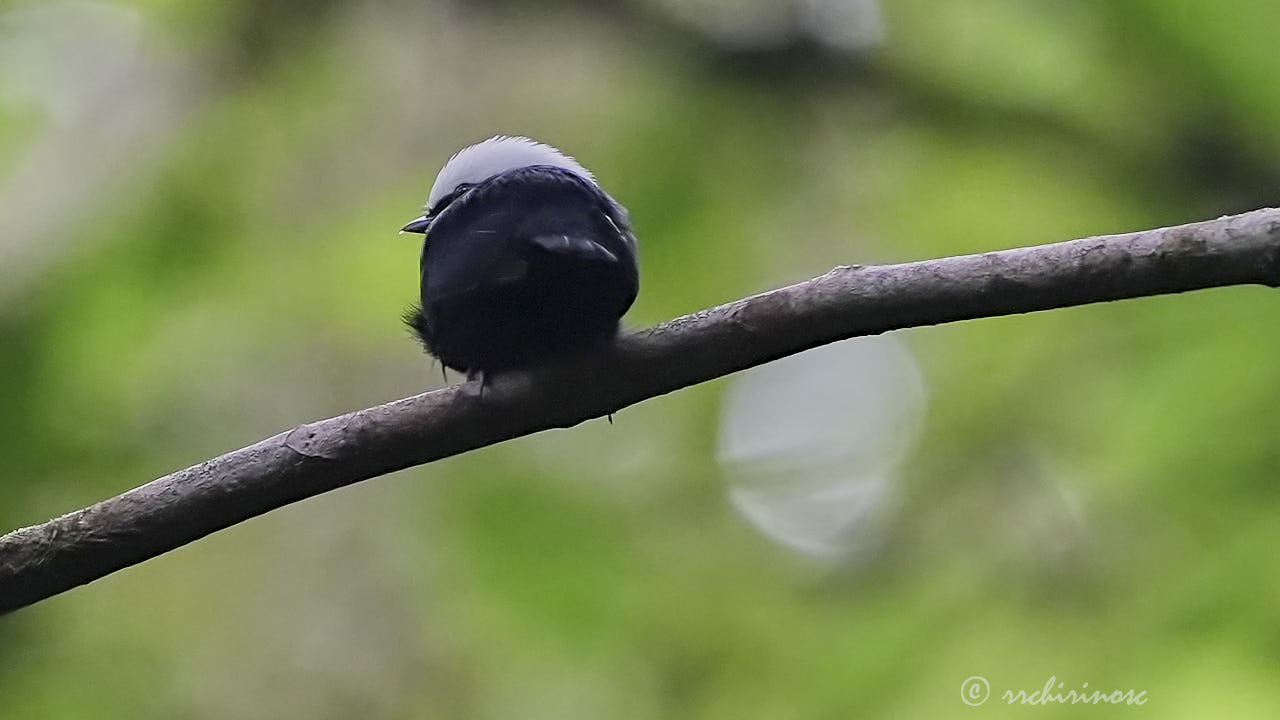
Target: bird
x: 525, y: 259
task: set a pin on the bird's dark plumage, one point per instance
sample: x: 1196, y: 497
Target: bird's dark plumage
x: 528, y: 264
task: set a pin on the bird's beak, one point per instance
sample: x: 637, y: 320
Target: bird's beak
x: 419, y: 225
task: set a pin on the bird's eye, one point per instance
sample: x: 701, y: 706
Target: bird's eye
x: 458, y: 192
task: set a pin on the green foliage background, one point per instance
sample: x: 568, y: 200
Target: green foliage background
x: 240, y: 273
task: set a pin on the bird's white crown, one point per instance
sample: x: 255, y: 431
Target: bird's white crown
x: 479, y: 162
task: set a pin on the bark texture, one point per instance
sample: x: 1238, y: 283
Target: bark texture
x: 43, y: 560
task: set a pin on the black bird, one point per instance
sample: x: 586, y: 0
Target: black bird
x: 524, y: 259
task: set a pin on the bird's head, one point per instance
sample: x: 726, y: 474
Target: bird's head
x: 475, y: 164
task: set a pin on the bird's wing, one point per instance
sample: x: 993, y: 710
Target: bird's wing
x: 576, y: 247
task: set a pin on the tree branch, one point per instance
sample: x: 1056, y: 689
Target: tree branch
x: 43, y: 560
